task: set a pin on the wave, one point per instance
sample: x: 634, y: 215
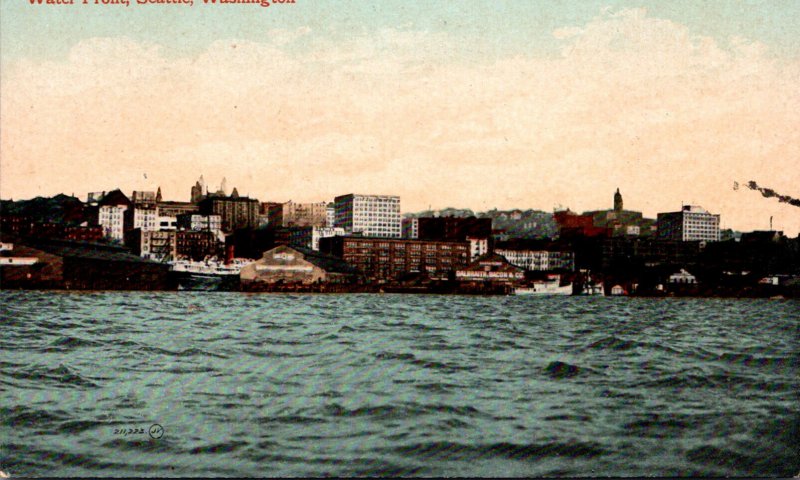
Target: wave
x: 400, y: 411
x: 74, y: 342
x: 189, y: 352
x: 446, y: 367
x: 745, y: 463
x: 24, y: 417
x: 717, y: 380
x: 225, y: 447
x: 61, y: 376
x: 503, y: 450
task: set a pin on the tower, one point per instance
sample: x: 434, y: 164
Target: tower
x: 618, y: 201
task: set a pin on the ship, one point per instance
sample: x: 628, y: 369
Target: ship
x: 207, y: 275
x: 552, y: 286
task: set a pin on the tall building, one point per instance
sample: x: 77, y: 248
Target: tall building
x: 236, y: 212
x: 292, y: 214
x: 144, y: 213
x: 330, y: 215
x: 111, y: 214
x: 691, y: 223
x: 369, y: 215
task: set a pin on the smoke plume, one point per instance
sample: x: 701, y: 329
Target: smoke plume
x: 769, y: 193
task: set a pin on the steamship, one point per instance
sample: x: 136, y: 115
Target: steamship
x: 209, y: 274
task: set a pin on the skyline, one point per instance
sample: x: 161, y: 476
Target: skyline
x: 512, y: 106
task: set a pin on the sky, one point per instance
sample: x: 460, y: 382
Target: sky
x: 491, y: 104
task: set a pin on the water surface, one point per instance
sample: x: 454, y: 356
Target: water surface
x: 416, y: 385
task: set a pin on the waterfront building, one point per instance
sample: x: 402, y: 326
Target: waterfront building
x: 490, y: 268
x: 369, y: 215
x: 10, y: 258
x: 63, y: 264
x: 538, y: 260
x: 385, y: 259
x: 159, y: 245
x: 476, y: 231
x: 478, y: 246
x: 235, y: 211
x: 691, y: 223
x: 296, y: 265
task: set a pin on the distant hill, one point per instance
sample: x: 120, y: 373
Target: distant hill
x: 517, y: 223
x: 59, y: 209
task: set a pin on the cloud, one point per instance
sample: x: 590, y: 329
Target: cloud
x: 628, y: 100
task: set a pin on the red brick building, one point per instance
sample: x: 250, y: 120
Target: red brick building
x: 198, y: 245
x: 390, y: 259
x: 64, y: 232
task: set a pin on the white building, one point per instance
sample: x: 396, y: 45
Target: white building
x: 112, y: 219
x: 160, y: 246
x: 477, y: 247
x: 691, y: 223
x: 145, y: 215
x: 330, y: 214
x: 538, y: 260
x: 145, y: 218
x: 369, y: 215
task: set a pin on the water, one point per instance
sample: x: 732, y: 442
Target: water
x: 288, y: 385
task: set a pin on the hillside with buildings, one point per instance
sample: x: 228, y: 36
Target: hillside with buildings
x: 361, y: 242
x: 516, y: 223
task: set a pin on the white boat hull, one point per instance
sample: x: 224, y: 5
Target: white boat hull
x: 544, y: 289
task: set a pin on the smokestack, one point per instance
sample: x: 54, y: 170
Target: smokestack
x: 228, y: 254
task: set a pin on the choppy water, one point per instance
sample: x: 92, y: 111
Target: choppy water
x: 279, y: 385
